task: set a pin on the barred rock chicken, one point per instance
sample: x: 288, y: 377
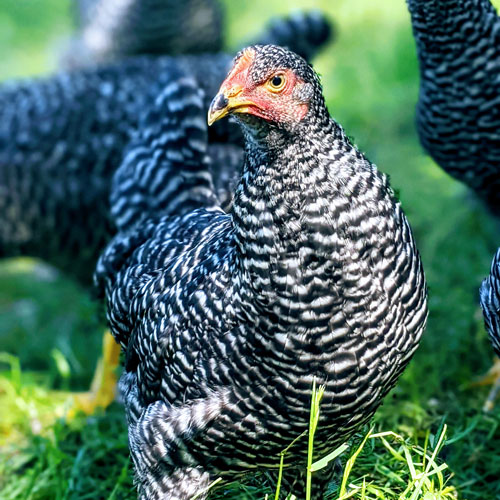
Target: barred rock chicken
x: 113, y: 29
x: 458, y: 112
x: 62, y: 139
x: 227, y: 318
x: 489, y: 295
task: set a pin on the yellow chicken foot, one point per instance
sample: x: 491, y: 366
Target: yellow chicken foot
x: 103, y: 387
x: 491, y: 378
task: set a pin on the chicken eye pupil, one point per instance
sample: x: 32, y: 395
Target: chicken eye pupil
x: 277, y: 81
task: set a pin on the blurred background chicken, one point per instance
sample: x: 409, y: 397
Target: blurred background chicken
x: 108, y: 30
x: 458, y: 110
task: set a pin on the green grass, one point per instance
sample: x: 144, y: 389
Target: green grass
x: 371, y: 83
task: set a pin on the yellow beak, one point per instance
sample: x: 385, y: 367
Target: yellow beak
x: 218, y: 108
x: 227, y: 101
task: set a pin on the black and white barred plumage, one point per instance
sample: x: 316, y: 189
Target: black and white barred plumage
x: 226, y: 319
x: 458, y: 112
x: 63, y: 138
x: 489, y: 295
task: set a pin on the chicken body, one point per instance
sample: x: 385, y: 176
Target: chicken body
x: 458, y: 111
x: 227, y: 318
x: 110, y: 30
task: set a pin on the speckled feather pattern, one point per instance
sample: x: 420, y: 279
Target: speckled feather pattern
x: 226, y: 318
x: 489, y: 295
x: 458, y: 112
x: 63, y: 138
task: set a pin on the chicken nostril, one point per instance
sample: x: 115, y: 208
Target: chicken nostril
x: 219, y: 102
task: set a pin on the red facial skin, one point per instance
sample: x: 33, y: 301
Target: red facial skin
x: 262, y: 100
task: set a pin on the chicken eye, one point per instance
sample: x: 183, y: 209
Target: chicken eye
x: 276, y: 83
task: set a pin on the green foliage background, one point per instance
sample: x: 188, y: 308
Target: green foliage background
x: 370, y: 78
